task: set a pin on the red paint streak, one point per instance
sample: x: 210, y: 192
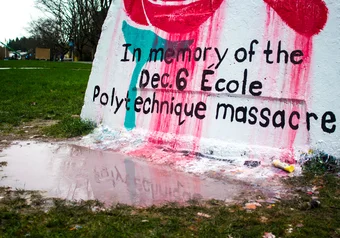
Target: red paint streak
x: 179, y: 17
x: 269, y: 74
x: 268, y: 17
x: 212, y: 40
x: 299, y: 86
x: 166, y: 123
x: 300, y: 73
x: 307, y: 17
x: 169, y: 124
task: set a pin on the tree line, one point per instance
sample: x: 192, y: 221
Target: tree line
x: 68, y: 26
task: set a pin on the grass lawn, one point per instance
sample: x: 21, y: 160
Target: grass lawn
x: 55, y: 94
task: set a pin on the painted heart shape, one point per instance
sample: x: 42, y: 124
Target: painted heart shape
x: 307, y: 17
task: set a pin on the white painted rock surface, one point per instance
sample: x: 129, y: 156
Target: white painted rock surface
x: 229, y: 78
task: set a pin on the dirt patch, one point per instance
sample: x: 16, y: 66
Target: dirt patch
x: 32, y: 130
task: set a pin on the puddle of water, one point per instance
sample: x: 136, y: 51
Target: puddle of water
x: 75, y: 172
x: 4, y: 68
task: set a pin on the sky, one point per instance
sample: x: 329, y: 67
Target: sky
x: 15, y: 16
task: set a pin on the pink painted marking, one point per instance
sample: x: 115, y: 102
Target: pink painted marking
x: 299, y: 85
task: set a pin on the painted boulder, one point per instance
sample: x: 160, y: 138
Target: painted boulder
x: 229, y: 78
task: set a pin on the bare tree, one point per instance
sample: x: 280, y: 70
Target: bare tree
x: 77, y: 20
x: 49, y: 35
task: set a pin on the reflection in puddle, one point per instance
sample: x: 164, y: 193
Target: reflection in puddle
x: 74, y: 172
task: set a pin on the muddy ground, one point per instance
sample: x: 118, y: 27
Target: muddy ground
x: 32, y: 130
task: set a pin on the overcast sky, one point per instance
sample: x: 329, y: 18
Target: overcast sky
x: 15, y: 16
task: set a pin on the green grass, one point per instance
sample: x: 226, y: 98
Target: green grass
x: 53, y: 93
x: 44, y: 64
x: 66, y: 219
x: 318, y: 162
x: 70, y: 127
